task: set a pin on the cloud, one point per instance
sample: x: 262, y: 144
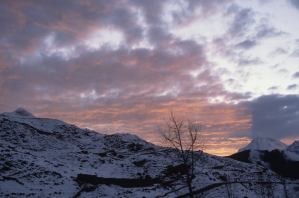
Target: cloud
x: 245, y: 61
x: 279, y: 51
x: 292, y: 87
x: 295, y: 53
x: 247, y: 29
x: 246, y: 23
x: 247, y: 44
x: 243, y: 19
x: 296, y: 75
x: 124, y: 64
x: 136, y: 73
x: 275, y: 116
x: 70, y: 22
x: 46, y: 59
x: 264, y: 30
x: 273, y: 88
x: 295, y: 3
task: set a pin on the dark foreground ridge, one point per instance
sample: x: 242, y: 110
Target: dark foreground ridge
x: 275, y: 160
x: 123, y: 182
x: 242, y: 156
x: 281, y: 165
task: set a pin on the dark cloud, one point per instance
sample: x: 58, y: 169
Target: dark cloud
x: 292, y: 87
x: 264, y: 1
x: 25, y: 24
x: 296, y: 75
x: 275, y: 116
x: 138, y: 73
x: 247, y: 44
x: 245, y: 61
x: 266, y: 31
x: 279, y: 51
x: 249, y: 30
x: 273, y: 88
x: 295, y: 3
x: 34, y: 71
x: 206, y: 6
x: 242, y: 21
x: 152, y: 10
x: 194, y: 9
x: 283, y: 71
x: 295, y: 53
x: 245, y: 19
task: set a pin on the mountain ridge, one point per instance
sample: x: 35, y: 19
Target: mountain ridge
x: 272, y: 154
x: 264, y: 143
x: 48, y: 158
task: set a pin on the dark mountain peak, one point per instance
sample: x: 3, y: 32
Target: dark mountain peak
x: 294, y: 147
x: 20, y: 112
x: 296, y: 142
x: 23, y: 112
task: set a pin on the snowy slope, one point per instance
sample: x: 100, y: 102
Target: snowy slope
x: 265, y: 144
x: 42, y: 157
x: 44, y: 124
x: 292, y: 151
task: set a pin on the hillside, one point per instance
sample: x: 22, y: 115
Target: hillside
x: 41, y: 157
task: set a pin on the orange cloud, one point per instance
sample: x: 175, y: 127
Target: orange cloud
x: 221, y: 122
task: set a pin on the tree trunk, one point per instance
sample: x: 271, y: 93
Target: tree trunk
x: 189, y: 183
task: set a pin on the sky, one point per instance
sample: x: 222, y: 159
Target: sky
x: 123, y: 65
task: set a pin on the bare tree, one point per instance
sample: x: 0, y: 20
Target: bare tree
x: 184, y: 135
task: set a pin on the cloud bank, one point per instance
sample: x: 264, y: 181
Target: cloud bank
x: 275, y: 116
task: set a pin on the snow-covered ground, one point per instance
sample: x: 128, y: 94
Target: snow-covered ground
x: 41, y: 157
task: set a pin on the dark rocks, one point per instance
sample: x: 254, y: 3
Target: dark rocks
x: 123, y: 182
x: 140, y: 163
x: 134, y: 147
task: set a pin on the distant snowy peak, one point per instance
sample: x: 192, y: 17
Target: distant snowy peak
x: 263, y: 143
x: 294, y: 147
x: 21, y: 115
x: 19, y: 112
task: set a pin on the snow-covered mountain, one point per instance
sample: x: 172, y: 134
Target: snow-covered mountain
x: 269, y: 144
x: 41, y: 157
x: 292, y: 151
x: 264, y: 144
x: 294, y: 147
x: 271, y: 154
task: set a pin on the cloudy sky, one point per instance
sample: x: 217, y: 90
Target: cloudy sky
x: 122, y: 65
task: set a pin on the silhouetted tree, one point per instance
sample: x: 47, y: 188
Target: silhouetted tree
x: 184, y: 135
